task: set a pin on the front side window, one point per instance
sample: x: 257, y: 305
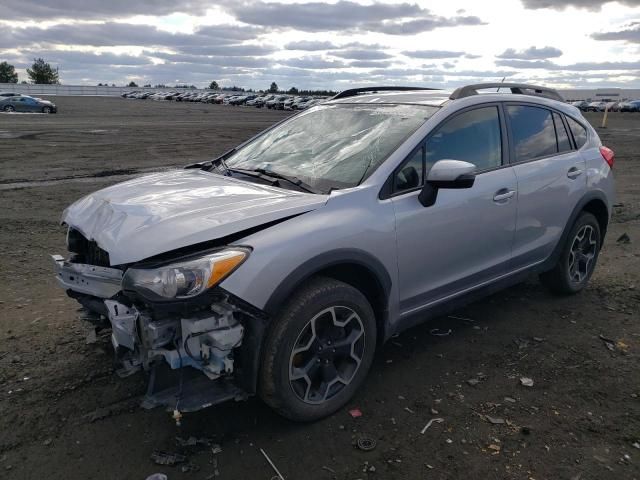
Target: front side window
x: 332, y: 146
x: 473, y: 136
x: 534, y: 135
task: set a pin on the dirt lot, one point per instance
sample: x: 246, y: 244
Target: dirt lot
x: 65, y: 415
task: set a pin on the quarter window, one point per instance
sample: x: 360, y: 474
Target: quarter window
x: 473, y: 136
x: 564, y: 144
x: 579, y: 132
x: 534, y: 135
x: 411, y: 174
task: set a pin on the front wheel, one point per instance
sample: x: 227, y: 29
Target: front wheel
x: 578, y: 257
x: 318, y: 350
x: 46, y: 110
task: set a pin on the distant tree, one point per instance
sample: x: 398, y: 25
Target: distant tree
x: 23, y: 82
x: 236, y: 89
x: 214, y: 86
x: 160, y: 85
x: 133, y: 84
x: 8, y: 73
x: 42, y: 73
x: 148, y: 85
x: 273, y: 88
x: 293, y: 91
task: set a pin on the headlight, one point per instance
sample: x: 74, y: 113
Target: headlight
x: 184, y: 279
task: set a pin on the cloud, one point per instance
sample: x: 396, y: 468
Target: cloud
x: 69, y: 58
x: 412, y: 27
x: 310, y: 45
x: 630, y: 34
x: 120, y: 34
x: 393, y: 19
x: 576, y: 67
x: 531, y: 53
x: 246, y: 50
x: 432, y: 54
x: 361, y: 54
x: 97, y: 9
x: 313, y: 63
x: 370, y: 63
x: 584, y: 4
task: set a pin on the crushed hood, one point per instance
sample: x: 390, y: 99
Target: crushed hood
x: 157, y: 213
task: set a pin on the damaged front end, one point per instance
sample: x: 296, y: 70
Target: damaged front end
x: 171, y: 319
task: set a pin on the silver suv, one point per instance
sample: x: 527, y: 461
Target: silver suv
x: 279, y: 267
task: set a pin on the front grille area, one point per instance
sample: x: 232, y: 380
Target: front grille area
x: 88, y: 251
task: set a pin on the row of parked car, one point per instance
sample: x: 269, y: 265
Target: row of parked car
x: 271, y: 101
x: 601, y: 106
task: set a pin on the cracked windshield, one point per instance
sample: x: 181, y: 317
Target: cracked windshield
x: 332, y: 146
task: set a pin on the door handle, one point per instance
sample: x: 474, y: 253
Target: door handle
x: 503, y: 194
x: 574, y: 172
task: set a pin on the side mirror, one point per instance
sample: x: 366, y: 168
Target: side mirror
x: 446, y: 174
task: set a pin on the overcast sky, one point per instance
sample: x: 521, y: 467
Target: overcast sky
x: 317, y: 44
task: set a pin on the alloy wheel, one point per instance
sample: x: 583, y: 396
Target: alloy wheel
x: 326, y: 354
x: 582, y: 254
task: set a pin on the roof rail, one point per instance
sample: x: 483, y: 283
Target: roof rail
x: 516, y: 89
x: 352, y: 92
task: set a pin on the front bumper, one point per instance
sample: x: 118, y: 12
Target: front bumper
x: 101, y: 282
x: 207, y: 338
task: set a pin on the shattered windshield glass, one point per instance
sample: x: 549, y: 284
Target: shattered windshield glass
x: 332, y: 146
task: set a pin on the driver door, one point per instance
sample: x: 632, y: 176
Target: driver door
x: 464, y: 239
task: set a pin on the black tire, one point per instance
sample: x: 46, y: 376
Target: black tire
x: 276, y: 387
x: 561, y: 279
x: 9, y: 108
x: 46, y: 110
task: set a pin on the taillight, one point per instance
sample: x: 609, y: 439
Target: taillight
x: 608, y: 155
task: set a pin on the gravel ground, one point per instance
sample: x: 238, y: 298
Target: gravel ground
x: 65, y: 415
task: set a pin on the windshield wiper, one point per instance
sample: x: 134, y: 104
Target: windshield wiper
x: 269, y: 174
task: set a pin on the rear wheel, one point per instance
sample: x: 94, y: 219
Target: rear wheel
x: 318, y: 350
x: 578, y: 258
x: 9, y: 108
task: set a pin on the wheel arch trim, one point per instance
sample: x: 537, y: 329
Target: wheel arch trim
x: 322, y: 262
x: 591, y: 196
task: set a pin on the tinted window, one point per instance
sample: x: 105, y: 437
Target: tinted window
x: 533, y: 132
x: 472, y: 136
x: 412, y: 172
x: 579, y: 132
x: 564, y: 144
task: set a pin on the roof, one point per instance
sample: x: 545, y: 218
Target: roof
x: 419, y: 97
x: 435, y: 97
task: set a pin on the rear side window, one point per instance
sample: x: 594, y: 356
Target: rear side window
x: 579, y: 132
x: 473, y: 136
x: 533, y: 131
x: 564, y: 144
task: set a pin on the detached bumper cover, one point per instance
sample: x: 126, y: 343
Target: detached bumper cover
x: 100, y: 282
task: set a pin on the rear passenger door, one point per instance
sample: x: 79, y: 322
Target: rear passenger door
x: 551, y: 176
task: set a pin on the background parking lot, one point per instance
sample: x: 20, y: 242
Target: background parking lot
x: 65, y: 415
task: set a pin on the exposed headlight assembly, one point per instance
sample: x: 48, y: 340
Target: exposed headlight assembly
x: 184, y: 279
